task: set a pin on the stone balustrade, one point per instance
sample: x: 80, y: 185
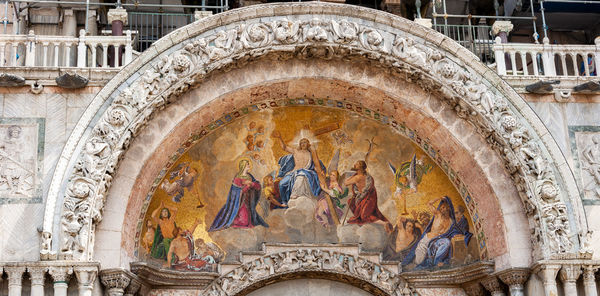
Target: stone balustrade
x: 65, y: 51
x: 526, y: 60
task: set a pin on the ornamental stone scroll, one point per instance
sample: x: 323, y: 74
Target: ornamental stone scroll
x: 336, y: 32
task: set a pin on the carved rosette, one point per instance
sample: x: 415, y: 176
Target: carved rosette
x: 343, y: 267
x: 323, y: 38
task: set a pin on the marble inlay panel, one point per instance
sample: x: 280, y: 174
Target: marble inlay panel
x: 21, y: 159
x: 585, y: 147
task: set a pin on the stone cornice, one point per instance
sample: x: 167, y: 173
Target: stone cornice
x: 449, y: 277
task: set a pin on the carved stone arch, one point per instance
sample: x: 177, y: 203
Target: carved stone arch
x: 310, y: 263
x: 186, y: 57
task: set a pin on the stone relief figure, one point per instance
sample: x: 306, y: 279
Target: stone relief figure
x: 71, y: 224
x: 591, y: 160
x: 16, y: 168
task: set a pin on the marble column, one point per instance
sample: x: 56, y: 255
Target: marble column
x: 501, y: 29
x: 69, y: 29
x: 569, y: 275
x: 117, y: 18
x: 115, y: 281
x: 547, y: 272
x: 92, y: 24
x: 15, y: 279
x: 60, y: 276
x: 86, y: 276
x: 515, y: 278
x: 589, y: 280
x: 38, y: 277
x: 492, y: 284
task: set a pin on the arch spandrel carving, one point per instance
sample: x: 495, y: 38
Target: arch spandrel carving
x: 480, y: 98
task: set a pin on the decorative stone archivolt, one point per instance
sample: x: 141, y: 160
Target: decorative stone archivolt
x: 304, y: 261
x: 86, y: 168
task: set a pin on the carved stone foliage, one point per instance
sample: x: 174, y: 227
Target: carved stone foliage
x: 115, y: 280
x: 312, y: 37
x: 341, y: 266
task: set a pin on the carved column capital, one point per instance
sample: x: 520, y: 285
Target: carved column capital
x: 547, y: 272
x: 60, y: 274
x: 37, y: 274
x: 502, y: 26
x: 134, y: 287
x: 492, y: 284
x: 514, y: 276
x: 86, y: 276
x: 115, y: 280
x: 589, y: 272
x: 570, y: 273
x: 117, y: 14
x: 473, y: 289
x: 15, y: 274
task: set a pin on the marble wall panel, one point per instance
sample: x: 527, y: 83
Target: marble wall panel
x: 553, y: 116
x: 21, y: 160
x: 585, y: 148
x: 43, y: 131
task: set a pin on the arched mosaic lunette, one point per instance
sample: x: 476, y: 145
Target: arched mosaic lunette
x: 328, y: 264
x: 354, y: 108
x: 118, y: 113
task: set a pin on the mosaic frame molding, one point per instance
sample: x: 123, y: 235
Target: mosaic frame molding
x: 578, y: 169
x: 358, y: 109
x: 37, y: 196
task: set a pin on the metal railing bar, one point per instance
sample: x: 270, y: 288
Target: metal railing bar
x: 483, y: 16
x: 574, y: 1
x: 114, y: 4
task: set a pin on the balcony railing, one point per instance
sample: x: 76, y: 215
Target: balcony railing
x: 153, y: 26
x: 476, y: 38
x: 526, y: 60
x: 65, y: 51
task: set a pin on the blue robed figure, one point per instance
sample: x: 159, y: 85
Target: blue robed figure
x: 240, y: 208
x: 289, y: 176
x: 436, y: 251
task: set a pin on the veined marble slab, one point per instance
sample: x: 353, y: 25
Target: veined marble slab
x: 21, y: 160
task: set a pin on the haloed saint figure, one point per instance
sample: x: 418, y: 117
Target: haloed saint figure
x: 240, y: 208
